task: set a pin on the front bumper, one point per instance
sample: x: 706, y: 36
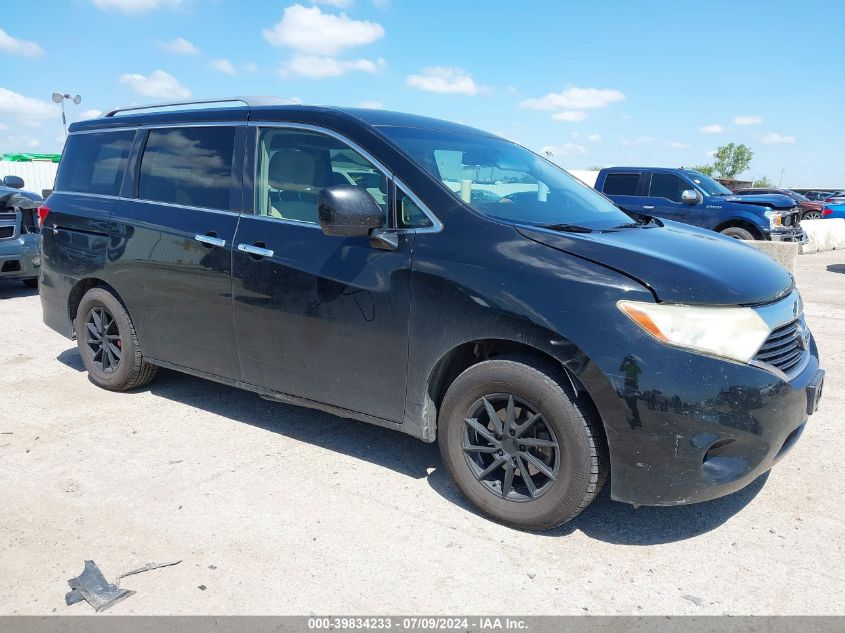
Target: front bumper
x: 20, y: 257
x: 683, y: 427
x: 788, y: 235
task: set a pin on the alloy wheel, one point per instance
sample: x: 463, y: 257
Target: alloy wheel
x: 812, y: 215
x: 510, y: 447
x: 103, y: 339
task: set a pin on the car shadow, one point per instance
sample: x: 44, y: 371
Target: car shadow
x: 836, y: 268
x: 605, y: 520
x: 11, y: 288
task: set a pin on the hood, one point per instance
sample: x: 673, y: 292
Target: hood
x: 771, y: 200
x: 679, y: 263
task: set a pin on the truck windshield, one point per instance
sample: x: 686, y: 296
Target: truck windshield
x: 503, y: 180
x: 708, y: 185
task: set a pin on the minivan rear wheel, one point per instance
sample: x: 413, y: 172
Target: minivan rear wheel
x: 737, y: 232
x: 518, y: 446
x: 108, y: 344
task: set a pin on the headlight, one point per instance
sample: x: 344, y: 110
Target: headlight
x: 735, y: 333
x: 775, y: 219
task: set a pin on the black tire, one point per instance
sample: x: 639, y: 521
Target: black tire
x: 738, y: 233
x: 130, y: 370
x: 581, y: 464
x: 31, y: 283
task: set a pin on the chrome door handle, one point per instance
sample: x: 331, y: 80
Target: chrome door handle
x: 648, y: 206
x: 258, y: 251
x: 210, y: 240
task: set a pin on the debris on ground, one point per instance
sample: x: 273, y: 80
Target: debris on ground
x: 694, y: 599
x: 92, y: 587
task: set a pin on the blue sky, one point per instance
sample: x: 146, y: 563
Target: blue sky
x: 610, y: 83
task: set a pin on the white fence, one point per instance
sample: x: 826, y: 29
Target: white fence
x: 36, y: 175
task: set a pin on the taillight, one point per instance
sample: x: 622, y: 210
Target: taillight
x: 827, y: 211
x: 43, y: 210
x: 828, y: 199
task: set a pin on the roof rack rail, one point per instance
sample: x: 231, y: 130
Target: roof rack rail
x: 247, y: 101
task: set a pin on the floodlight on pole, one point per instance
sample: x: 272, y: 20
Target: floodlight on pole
x: 59, y: 97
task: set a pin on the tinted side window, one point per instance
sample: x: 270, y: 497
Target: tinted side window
x: 668, y: 186
x: 621, y: 184
x: 410, y: 214
x: 94, y: 163
x: 188, y: 166
x: 293, y: 166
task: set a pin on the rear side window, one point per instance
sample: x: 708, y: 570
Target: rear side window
x: 668, y: 186
x: 188, y: 166
x: 94, y: 163
x: 621, y: 184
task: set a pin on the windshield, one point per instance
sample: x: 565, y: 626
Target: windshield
x: 506, y: 181
x: 708, y: 185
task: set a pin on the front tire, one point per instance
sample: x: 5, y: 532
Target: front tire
x: 108, y: 344
x: 518, y: 446
x: 738, y: 233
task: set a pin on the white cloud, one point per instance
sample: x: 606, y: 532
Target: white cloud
x: 309, y: 30
x: 250, y: 67
x: 157, y: 84
x: 340, y: 4
x: 594, y: 138
x: 640, y: 140
x: 317, y: 67
x: 135, y: 6
x: 512, y: 89
x: 677, y: 144
x: 446, y: 80
x: 710, y: 152
x: 26, y: 109
x: 748, y: 120
x: 574, y: 98
x: 712, y: 129
x: 375, y: 105
x: 90, y: 114
x: 773, y: 138
x: 17, y: 46
x: 224, y: 66
x: 571, y: 116
x: 180, y: 46
x: 563, y: 149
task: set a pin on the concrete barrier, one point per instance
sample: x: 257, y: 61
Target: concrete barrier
x: 784, y: 253
x: 823, y: 235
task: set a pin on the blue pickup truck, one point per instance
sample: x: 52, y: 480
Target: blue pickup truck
x: 688, y: 196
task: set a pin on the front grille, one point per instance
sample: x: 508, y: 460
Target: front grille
x: 784, y: 348
x: 6, y: 231
x: 7, y: 217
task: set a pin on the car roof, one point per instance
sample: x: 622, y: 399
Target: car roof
x: 184, y: 113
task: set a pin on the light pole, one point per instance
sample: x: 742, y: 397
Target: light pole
x: 780, y: 183
x: 59, y: 97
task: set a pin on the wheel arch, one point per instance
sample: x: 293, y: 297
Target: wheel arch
x: 742, y: 224
x: 78, y: 291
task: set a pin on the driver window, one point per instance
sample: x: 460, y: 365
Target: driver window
x: 668, y: 186
x: 294, y: 165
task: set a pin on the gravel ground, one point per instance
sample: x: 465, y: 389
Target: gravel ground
x: 282, y: 510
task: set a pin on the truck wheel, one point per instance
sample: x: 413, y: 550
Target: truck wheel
x: 31, y: 283
x: 521, y: 449
x: 108, y: 344
x: 737, y: 233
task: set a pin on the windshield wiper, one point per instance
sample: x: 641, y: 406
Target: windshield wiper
x: 568, y: 228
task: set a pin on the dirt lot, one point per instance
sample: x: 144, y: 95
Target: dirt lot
x: 276, y: 509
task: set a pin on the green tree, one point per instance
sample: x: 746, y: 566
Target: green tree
x: 593, y: 167
x: 731, y: 160
x: 763, y: 182
x: 707, y: 170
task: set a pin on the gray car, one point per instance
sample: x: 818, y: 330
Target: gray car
x: 835, y: 198
x: 20, y: 257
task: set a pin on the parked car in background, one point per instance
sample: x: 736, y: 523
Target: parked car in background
x: 809, y: 210
x: 831, y: 211
x: 688, y: 196
x: 19, y: 253
x: 835, y: 198
x: 817, y: 196
x: 526, y: 330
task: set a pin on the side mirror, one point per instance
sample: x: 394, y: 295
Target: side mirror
x: 689, y: 196
x: 15, y: 182
x: 348, y: 211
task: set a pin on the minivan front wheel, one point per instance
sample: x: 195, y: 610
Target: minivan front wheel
x: 518, y: 446
x: 108, y: 344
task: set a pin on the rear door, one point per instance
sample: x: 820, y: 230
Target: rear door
x: 625, y: 189
x: 319, y: 317
x: 171, y: 244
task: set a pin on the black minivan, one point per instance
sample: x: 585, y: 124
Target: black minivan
x: 434, y: 279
